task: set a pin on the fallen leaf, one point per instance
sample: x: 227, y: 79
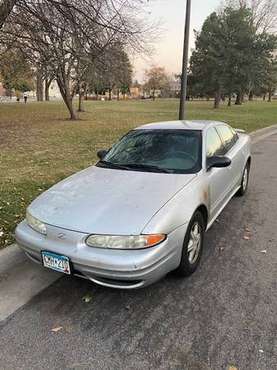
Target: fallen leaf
x: 246, y: 237
x: 87, y: 298
x: 247, y: 229
x: 261, y: 350
x: 232, y: 368
x: 55, y: 330
x: 264, y: 251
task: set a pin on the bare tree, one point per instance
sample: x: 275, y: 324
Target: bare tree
x: 156, y: 78
x: 68, y: 35
x: 6, y: 7
x: 264, y: 12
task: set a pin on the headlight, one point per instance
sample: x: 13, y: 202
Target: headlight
x: 35, y: 224
x: 124, y: 242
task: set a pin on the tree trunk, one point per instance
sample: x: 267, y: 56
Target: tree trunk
x: 67, y: 98
x: 80, y: 103
x: 6, y: 6
x: 229, y: 100
x: 39, y: 86
x: 46, y: 92
x: 270, y: 93
x: 153, y: 95
x: 47, y: 84
x: 264, y: 97
x: 69, y: 105
x: 118, y: 92
x: 217, y: 100
x: 238, y: 99
x: 110, y: 94
x: 251, y: 96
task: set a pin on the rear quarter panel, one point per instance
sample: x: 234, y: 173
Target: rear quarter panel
x: 245, y: 141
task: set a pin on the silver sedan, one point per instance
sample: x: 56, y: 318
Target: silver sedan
x: 143, y: 209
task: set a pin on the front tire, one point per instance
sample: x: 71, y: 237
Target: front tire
x: 193, y: 246
x: 244, y: 181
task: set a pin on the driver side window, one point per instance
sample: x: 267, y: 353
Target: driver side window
x: 214, y: 145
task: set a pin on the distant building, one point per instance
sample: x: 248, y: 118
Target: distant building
x: 136, y: 92
x: 54, y: 91
x: 175, y: 86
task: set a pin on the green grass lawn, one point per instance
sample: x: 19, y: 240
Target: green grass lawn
x: 38, y: 146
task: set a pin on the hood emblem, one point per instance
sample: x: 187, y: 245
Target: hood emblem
x: 61, y: 236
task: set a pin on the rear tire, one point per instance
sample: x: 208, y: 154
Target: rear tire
x: 244, y: 181
x: 193, y: 246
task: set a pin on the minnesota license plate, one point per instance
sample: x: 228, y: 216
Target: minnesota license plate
x: 56, y: 262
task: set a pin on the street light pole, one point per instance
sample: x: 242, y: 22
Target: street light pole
x: 184, y: 78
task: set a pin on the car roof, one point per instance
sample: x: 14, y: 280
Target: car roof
x: 180, y: 125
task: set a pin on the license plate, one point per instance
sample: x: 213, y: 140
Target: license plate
x: 56, y: 262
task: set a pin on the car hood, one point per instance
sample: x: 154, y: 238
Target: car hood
x: 107, y: 201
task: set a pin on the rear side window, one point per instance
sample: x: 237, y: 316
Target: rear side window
x: 228, y: 136
x: 214, y: 145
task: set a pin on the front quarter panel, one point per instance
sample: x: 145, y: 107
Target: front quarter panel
x: 179, y: 210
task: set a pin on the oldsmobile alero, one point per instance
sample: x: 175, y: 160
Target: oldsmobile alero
x: 143, y: 209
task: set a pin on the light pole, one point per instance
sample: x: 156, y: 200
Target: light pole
x: 184, y: 78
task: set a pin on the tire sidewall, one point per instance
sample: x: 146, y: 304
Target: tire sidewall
x: 242, y: 191
x: 186, y: 268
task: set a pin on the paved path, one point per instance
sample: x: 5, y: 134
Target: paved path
x: 20, y: 280
x: 225, y: 314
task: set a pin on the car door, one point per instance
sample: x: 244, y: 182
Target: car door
x: 233, y: 151
x: 218, y: 178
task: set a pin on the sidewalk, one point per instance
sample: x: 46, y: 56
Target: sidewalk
x: 20, y: 280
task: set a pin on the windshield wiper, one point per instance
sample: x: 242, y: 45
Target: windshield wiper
x: 146, y: 167
x: 112, y: 165
x: 132, y: 166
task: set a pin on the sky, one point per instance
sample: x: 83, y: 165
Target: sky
x: 169, y: 47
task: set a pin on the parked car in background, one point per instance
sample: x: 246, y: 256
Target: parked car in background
x: 143, y: 209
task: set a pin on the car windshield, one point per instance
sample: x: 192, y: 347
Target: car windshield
x: 168, y: 151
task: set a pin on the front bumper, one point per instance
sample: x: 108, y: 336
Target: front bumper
x: 123, y: 269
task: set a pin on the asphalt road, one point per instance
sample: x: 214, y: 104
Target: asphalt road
x: 225, y: 314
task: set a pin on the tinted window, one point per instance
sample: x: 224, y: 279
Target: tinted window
x: 178, y: 151
x: 214, y: 143
x: 228, y: 136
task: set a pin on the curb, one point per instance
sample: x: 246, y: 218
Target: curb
x: 263, y: 133
x: 20, y: 280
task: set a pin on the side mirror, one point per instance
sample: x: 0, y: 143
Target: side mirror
x: 218, y: 162
x: 102, y: 153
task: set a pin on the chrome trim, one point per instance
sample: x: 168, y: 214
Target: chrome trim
x: 29, y: 255
x: 116, y: 286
